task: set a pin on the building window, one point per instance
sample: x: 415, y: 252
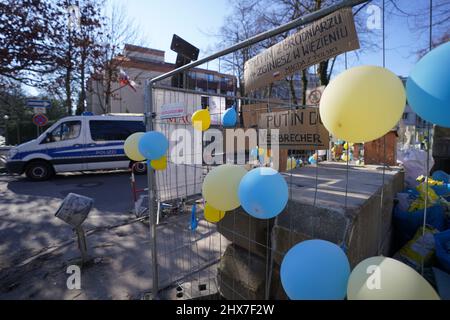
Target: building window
x: 210, y: 77
x: 104, y: 130
x: 205, y: 102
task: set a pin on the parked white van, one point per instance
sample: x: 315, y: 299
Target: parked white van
x: 77, y: 143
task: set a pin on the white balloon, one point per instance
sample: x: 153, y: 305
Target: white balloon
x: 382, y: 278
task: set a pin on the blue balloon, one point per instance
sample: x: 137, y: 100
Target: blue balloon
x: 312, y: 160
x: 315, y: 270
x: 153, y: 145
x: 440, y: 175
x: 427, y: 87
x: 263, y: 193
x: 229, y: 118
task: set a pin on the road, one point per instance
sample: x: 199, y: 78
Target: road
x: 36, y: 247
x: 28, y: 226
x: 27, y: 209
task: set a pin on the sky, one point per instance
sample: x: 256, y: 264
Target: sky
x: 198, y: 20
x: 193, y: 20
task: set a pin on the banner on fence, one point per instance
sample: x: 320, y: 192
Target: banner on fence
x: 318, y: 41
x: 299, y: 129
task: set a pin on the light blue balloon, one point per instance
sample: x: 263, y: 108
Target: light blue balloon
x: 153, y: 145
x: 229, y: 118
x: 263, y: 193
x: 311, y: 160
x: 315, y: 270
x: 427, y: 87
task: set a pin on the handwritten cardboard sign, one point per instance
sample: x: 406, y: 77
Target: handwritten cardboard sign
x: 299, y: 129
x: 318, y: 41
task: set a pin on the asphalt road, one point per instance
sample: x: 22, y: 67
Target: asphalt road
x: 27, y: 221
x: 36, y: 247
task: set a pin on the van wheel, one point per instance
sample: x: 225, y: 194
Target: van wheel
x: 39, y: 171
x: 139, y: 168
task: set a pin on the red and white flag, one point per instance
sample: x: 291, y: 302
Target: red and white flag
x: 124, y: 80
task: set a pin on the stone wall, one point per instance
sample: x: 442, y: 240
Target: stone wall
x: 351, y: 214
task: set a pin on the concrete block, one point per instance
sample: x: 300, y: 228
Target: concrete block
x: 350, y: 208
x: 241, y: 275
x: 247, y: 232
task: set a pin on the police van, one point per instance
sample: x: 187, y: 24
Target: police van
x: 77, y: 143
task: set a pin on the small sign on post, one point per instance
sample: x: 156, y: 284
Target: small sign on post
x: 40, y: 120
x: 37, y: 110
x: 35, y: 103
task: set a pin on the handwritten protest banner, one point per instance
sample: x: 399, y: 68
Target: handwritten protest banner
x: 318, y: 41
x: 299, y: 129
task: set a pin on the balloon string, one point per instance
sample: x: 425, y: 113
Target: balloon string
x: 346, y: 172
x: 380, y: 227
x: 347, y: 167
x: 428, y: 143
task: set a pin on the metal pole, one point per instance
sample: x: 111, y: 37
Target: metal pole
x: 149, y: 115
x: 264, y: 35
x: 6, y: 133
x: 82, y: 244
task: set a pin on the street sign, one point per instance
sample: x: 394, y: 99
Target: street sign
x: 38, y: 110
x: 40, y: 120
x: 32, y: 103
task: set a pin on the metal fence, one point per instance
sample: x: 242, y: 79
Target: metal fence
x: 187, y: 259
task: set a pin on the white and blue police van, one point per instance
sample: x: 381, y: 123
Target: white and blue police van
x: 77, y: 143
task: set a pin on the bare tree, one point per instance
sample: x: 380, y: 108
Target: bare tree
x: 418, y: 20
x: 27, y: 36
x: 244, y: 22
x: 118, y: 30
x: 251, y: 17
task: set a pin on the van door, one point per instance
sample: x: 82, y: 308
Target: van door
x: 106, y: 142
x: 66, y: 146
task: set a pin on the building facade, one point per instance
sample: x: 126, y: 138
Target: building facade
x: 140, y: 64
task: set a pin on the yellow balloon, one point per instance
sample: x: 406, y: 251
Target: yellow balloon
x: 291, y: 164
x: 131, y: 147
x: 201, y: 120
x: 212, y: 214
x: 220, y: 187
x: 382, y: 278
x: 362, y: 103
x: 159, y: 164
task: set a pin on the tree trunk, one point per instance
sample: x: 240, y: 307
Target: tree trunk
x: 323, y: 72
x: 304, y: 86
x: 82, y: 98
x: 68, y: 77
x: 292, y: 89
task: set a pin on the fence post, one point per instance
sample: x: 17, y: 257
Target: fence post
x: 149, y: 115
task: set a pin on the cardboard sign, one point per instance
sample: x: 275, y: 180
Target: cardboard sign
x: 299, y: 129
x: 318, y: 41
x: 251, y: 112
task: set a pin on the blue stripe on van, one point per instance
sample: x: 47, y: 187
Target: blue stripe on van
x: 58, y: 152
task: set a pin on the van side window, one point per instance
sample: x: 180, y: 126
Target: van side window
x: 65, y: 131
x: 105, y: 130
